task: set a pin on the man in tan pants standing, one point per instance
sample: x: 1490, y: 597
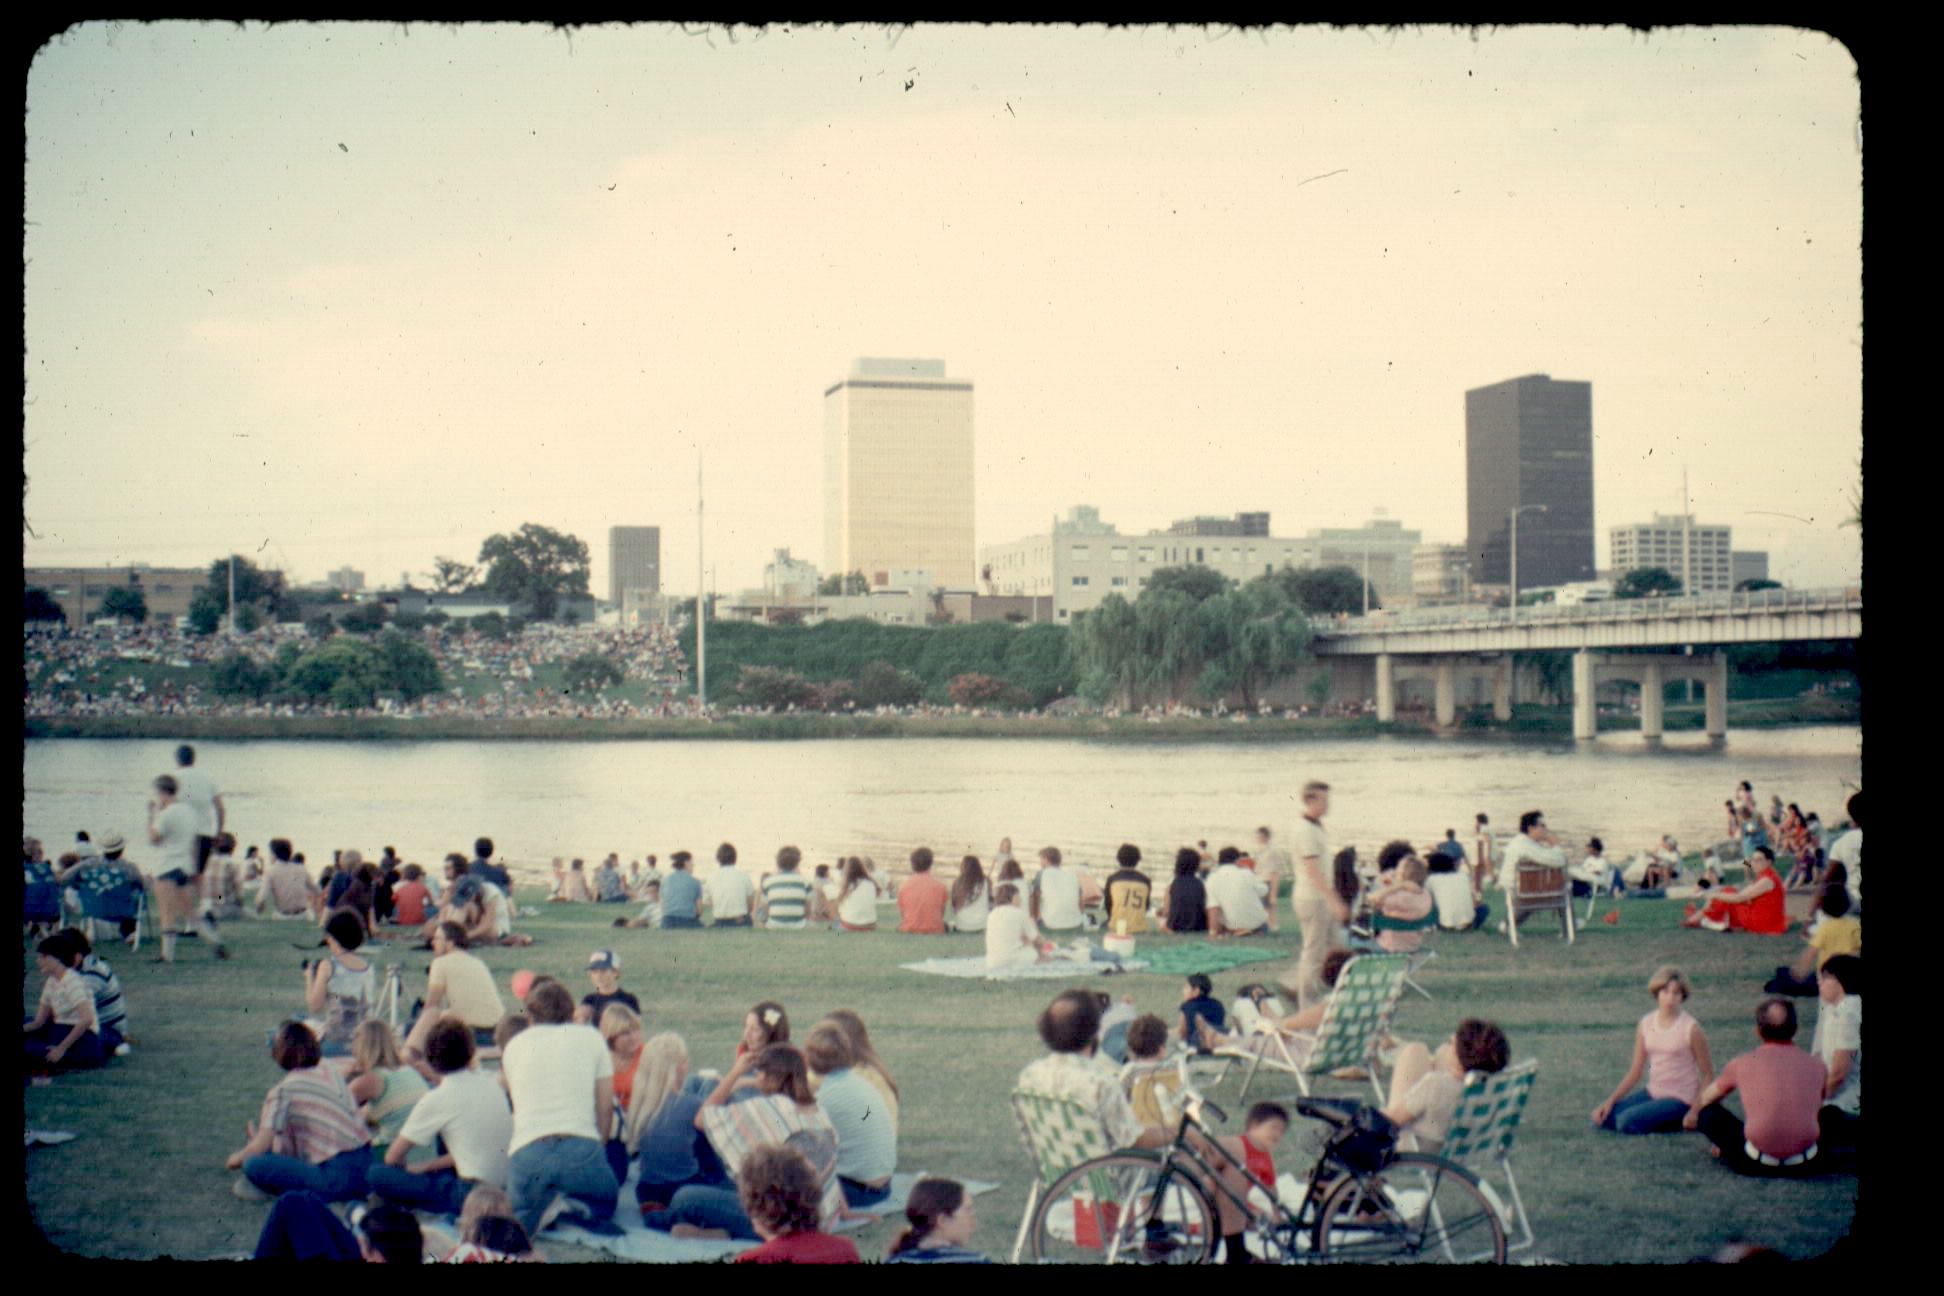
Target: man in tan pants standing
x: 1320, y: 911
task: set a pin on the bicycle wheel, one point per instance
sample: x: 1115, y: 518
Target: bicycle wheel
x: 1116, y: 1210
x: 1420, y: 1209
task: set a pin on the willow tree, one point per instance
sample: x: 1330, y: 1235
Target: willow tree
x: 1106, y: 649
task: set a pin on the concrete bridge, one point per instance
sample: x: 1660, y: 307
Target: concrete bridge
x: 1444, y: 643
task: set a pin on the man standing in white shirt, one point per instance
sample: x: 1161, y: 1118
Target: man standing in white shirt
x: 1535, y: 844
x: 195, y: 789
x: 1320, y: 911
x: 1272, y: 866
x: 1056, y: 894
x: 732, y: 892
x: 1234, y: 901
x: 172, y: 826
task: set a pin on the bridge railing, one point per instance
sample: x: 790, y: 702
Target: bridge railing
x: 1747, y: 602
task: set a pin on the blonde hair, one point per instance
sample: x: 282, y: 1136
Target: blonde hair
x: 374, y: 1047
x: 618, y: 1019
x: 1666, y: 975
x: 658, y: 1078
x: 1414, y: 869
x: 482, y: 1202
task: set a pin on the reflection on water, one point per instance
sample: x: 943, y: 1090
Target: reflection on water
x: 881, y: 797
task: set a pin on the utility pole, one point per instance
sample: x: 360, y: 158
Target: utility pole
x: 232, y: 596
x: 701, y: 639
x: 1687, y: 566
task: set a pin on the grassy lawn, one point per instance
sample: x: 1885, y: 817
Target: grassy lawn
x: 146, y: 1178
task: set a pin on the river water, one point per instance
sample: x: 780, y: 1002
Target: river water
x: 881, y: 797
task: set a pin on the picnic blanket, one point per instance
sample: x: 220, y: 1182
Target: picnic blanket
x: 46, y: 1138
x: 1203, y: 956
x: 652, y: 1246
x: 1058, y: 970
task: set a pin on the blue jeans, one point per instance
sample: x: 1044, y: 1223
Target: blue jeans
x: 342, y: 1178
x: 617, y: 1160
x: 673, y: 920
x: 441, y: 1191
x: 566, y: 1164
x: 740, y: 920
x: 1637, y: 1113
x: 718, y: 1208
x: 300, y: 1227
x: 857, y: 1196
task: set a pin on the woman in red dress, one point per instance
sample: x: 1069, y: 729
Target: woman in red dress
x: 1759, y: 907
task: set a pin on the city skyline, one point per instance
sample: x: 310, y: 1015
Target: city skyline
x: 375, y: 293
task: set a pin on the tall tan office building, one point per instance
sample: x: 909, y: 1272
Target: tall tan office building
x: 898, y: 472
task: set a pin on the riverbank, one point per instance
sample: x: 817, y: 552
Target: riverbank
x: 1527, y: 721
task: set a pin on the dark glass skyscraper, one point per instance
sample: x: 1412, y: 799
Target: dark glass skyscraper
x: 1530, y: 441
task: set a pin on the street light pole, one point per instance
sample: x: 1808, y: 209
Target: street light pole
x: 1523, y: 508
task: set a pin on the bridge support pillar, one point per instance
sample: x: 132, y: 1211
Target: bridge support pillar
x: 1586, y: 723
x: 1447, y: 692
x: 1502, y: 690
x: 1717, y: 701
x: 1651, y: 699
x: 1386, y: 689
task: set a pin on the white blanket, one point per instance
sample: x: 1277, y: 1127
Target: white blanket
x: 1058, y: 970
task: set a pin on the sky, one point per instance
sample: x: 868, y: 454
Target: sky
x: 364, y: 294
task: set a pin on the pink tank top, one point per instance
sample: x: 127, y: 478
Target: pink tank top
x: 1671, y: 1072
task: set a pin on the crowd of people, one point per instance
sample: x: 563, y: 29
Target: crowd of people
x: 514, y: 1111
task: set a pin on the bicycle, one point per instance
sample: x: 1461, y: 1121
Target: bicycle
x: 1364, y: 1201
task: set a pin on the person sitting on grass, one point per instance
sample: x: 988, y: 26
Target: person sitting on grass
x: 609, y: 886
x: 1835, y: 934
x: 940, y: 1222
x: 866, y: 1125
x: 309, y: 1136
x: 604, y: 970
x: 576, y: 890
x: 561, y: 1081
x: 779, y: 1194
x: 1672, y: 1049
x: 467, y: 1113
x: 681, y: 894
x: 111, y: 1010
x: 922, y: 898
x: 1235, y: 899
x: 865, y: 1057
x: 337, y: 990
x: 857, y: 899
x: 1759, y: 907
x: 1450, y: 886
x: 301, y: 1226
x: 1056, y: 899
x: 1782, y: 1090
x: 783, y: 1111
x: 64, y: 1032
x: 787, y: 900
x: 658, y: 1124
x: 1203, y: 1019
x: 1116, y: 1015
x: 1011, y: 938
x: 620, y: 1028
x: 1153, y: 1087
x: 732, y: 892
x: 1404, y: 899
x: 766, y: 1024
x: 458, y: 984
x: 651, y: 907
x: 1838, y: 1041
x: 387, y: 1088
x: 487, y: 1233
x: 971, y: 896
x: 1425, y: 1088
x: 1262, y: 1130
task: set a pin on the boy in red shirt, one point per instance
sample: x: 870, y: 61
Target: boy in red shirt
x: 781, y: 1195
x: 1266, y: 1124
x: 921, y: 900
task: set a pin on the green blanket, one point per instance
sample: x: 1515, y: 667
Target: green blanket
x: 1203, y: 956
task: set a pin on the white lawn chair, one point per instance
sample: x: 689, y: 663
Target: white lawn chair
x: 1542, y: 888
x: 1481, y: 1138
x: 1059, y: 1134
x: 1380, y: 923
x: 1357, y: 1016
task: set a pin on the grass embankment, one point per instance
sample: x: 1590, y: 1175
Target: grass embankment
x: 1548, y: 722
x: 145, y: 1178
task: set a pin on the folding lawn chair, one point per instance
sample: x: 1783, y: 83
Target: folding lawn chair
x: 1542, y: 888
x: 1357, y: 1016
x: 41, y: 895
x: 1059, y: 1134
x: 1380, y: 923
x: 109, y: 895
x: 1481, y: 1138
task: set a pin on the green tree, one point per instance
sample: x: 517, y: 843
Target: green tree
x: 1318, y: 689
x: 365, y: 618
x: 536, y: 566
x: 1757, y: 583
x: 1039, y: 660
x: 1193, y: 581
x: 1647, y: 582
x: 126, y: 602
x: 975, y: 690
x: 256, y: 587
x: 1251, y: 637
x: 343, y: 671
x: 321, y: 626
x: 1106, y: 652
x: 410, y: 669
x: 450, y: 576
x: 1552, y: 670
x: 838, y: 583
x: 773, y: 689
x: 592, y: 672
x: 490, y: 624
x: 882, y: 684
x: 1325, y: 591
x: 239, y: 675
x: 40, y: 606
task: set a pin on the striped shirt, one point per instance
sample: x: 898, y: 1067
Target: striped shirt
x: 110, y: 1012
x: 736, y: 1128
x: 787, y: 896
x: 313, y: 1115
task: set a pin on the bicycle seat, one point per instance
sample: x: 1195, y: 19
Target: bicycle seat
x: 1336, y: 1111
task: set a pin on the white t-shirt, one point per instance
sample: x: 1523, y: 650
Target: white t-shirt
x: 1008, y: 927
x: 729, y: 892
x: 197, y: 790
x: 1452, y: 893
x: 1059, y: 893
x: 177, y: 824
x: 497, y: 906
x: 1238, y: 894
x: 1309, y: 840
x: 859, y: 908
x: 550, y: 1073
x: 972, y: 917
x: 1848, y: 851
x: 1525, y: 850
x: 1840, y: 1028
x: 470, y: 1112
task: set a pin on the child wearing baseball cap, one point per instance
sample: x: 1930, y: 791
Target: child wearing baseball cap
x: 604, y: 970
